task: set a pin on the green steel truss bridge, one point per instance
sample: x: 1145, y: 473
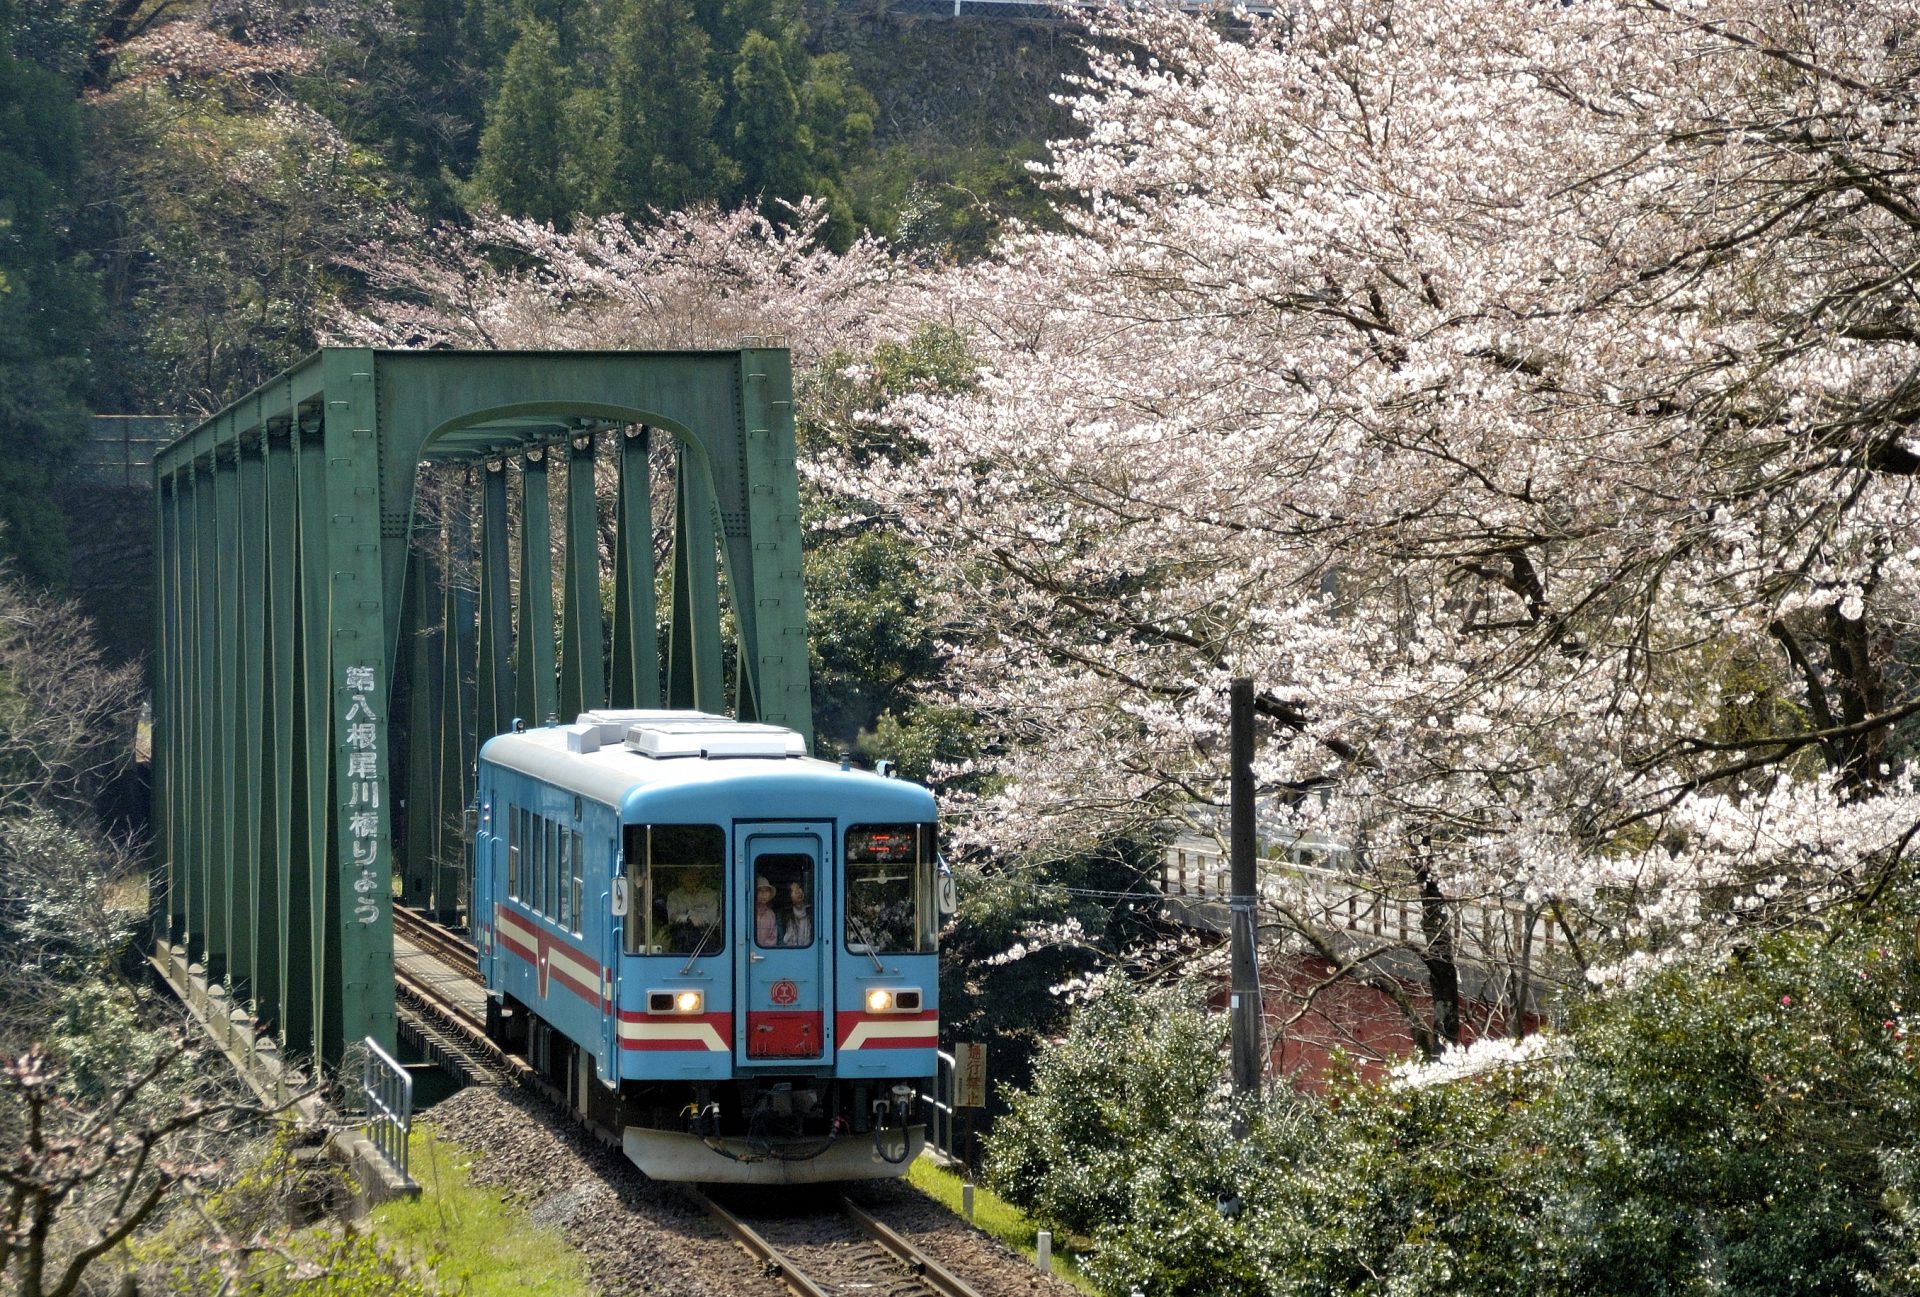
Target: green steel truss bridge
x: 356, y: 575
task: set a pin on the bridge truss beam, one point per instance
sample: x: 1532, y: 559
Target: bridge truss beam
x: 332, y: 651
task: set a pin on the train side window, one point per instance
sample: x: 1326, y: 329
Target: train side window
x: 530, y: 878
x: 554, y: 867
x: 517, y: 858
x: 674, y: 874
x: 891, y: 905
x: 579, y: 871
x: 563, y: 903
x: 540, y: 864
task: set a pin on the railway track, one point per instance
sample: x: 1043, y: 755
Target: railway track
x: 447, y: 1023
x: 448, y: 947
x: 821, y: 1255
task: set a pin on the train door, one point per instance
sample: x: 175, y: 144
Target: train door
x: 489, y: 866
x: 781, y: 1016
x: 615, y: 902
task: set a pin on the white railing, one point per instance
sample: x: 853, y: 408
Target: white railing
x: 1487, y: 929
x: 387, y: 1087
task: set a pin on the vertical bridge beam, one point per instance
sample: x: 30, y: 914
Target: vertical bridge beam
x: 636, y: 645
x: 535, y: 698
x: 494, y: 695
x: 359, y: 677
x: 583, y: 683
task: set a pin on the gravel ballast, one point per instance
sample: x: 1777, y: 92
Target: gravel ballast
x: 639, y: 1236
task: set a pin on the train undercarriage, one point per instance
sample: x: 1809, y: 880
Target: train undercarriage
x: 787, y: 1129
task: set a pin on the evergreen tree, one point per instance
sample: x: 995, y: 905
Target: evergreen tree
x: 662, y: 113
x: 728, y: 23
x: 49, y: 305
x: 770, y: 143
x: 523, y: 149
x: 839, y: 114
x: 409, y: 84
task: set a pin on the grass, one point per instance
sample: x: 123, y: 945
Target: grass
x: 475, y: 1241
x: 996, y: 1217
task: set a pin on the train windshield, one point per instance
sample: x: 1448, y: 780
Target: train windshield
x: 890, y: 898
x: 676, y: 872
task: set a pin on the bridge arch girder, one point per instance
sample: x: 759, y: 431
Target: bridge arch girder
x: 353, y: 622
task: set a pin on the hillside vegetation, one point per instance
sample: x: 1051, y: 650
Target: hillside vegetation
x: 187, y: 185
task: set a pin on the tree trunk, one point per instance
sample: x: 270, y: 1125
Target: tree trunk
x: 1439, y: 954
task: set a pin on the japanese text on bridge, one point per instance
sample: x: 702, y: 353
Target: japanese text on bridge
x: 359, y: 727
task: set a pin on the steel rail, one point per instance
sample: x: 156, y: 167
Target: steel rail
x: 435, y: 940
x: 774, y: 1264
x: 435, y: 1013
x: 921, y: 1266
x: 436, y: 999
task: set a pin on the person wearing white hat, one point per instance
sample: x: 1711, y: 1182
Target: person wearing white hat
x: 766, y: 925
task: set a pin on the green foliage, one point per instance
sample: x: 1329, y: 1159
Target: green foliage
x: 1129, y: 1092
x: 953, y: 202
x: 49, y: 299
x: 871, y: 642
x: 769, y: 139
x: 325, y: 1263
x: 523, y: 150
x: 1739, y: 1125
x: 634, y: 106
x: 868, y: 638
x: 213, y: 192
x: 1024, y: 929
x: 961, y: 109
x: 1745, y: 1128
x: 846, y: 398
x: 925, y: 741
x: 247, y: 1237
x: 99, y: 1038
x: 660, y: 150
x: 410, y: 84
x: 473, y: 1240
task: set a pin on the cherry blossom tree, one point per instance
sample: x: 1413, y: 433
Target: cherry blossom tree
x: 697, y: 278
x: 1522, y: 394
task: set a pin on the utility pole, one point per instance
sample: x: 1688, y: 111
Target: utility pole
x: 1247, y: 1062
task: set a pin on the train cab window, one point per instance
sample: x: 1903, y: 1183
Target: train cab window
x: 676, y: 873
x: 890, y: 898
x: 783, y: 899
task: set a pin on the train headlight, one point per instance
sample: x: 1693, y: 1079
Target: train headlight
x: 689, y: 1001
x: 676, y: 1001
x: 893, y: 1001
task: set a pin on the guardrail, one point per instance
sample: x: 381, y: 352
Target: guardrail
x: 941, y: 1109
x: 1366, y: 905
x: 120, y: 449
x: 388, y: 1089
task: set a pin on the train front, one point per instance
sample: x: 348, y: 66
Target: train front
x: 777, y: 996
